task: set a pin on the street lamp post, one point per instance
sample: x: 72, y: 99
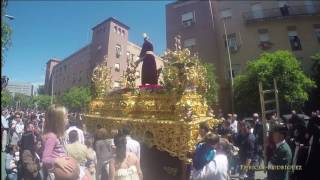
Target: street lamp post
x: 9, y: 17
x: 229, y: 60
x: 228, y: 51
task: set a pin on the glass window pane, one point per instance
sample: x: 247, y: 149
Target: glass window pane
x: 187, y: 16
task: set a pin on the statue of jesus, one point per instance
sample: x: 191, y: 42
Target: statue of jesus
x: 149, y: 73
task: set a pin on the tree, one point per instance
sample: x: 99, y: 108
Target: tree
x: 6, y: 99
x: 41, y: 90
x: 315, y: 74
x: 293, y: 84
x: 23, y: 101
x: 42, y: 101
x: 5, y: 32
x: 211, y: 94
x: 316, y: 68
x: 76, y: 98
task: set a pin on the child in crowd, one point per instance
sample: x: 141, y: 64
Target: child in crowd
x: 54, y: 155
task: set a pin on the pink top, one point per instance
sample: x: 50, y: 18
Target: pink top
x: 53, y: 149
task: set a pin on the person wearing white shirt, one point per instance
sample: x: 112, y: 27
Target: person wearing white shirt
x: 217, y: 169
x: 234, y: 124
x: 5, y: 126
x: 132, y: 145
x: 19, y: 125
x: 71, y: 128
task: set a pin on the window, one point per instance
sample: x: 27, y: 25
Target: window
x: 232, y: 42
x: 294, y: 39
x: 284, y: 8
x: 132, y: 57
x: 189, y: 43
x: 115, y: 29
x: 227, y: 13
x: 117, y: 67
x: 118, y: 51
x: 264, y: 39
x: 257, y: 11
x: 122, y: 33
x: 317, y: 31
x: 310, y: 6
x: 119, y: 31
x: 282, y: 3
x: 188, y: 19
x: 263, y: 35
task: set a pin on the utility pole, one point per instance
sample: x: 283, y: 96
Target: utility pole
x: 228, y: 51
x: 229, y: 60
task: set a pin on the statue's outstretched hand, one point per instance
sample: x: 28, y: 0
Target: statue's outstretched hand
x: 137, y: 62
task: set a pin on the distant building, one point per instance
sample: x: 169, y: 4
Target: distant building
x: 20, y: 88
x: 252, y: 28
x: 109, y: 42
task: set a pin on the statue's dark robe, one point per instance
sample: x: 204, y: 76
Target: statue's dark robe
x: 149, y: 66
x: 149, y: 70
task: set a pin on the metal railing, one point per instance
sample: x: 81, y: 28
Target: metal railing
x: 279, y: 13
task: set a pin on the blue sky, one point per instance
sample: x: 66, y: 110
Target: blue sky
x: 44, y: 29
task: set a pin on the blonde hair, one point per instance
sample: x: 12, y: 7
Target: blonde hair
x: 55, y: 120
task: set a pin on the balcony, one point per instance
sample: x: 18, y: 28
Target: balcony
x: 281, y: 13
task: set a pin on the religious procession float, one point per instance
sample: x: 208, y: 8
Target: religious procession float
x: 165, y: 116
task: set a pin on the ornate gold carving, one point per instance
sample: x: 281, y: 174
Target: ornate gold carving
x: 184, y: 72
x: 155, y: 105
x: 101, y: 79
x: 130, y: 76
x: 167, y: 118
x: 178, y: 138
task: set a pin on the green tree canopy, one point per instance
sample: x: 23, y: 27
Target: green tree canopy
x: 316, y: 68
x: 5, y: 31
x: 41, y: 90
x: 293, y: 84
x: 212, y: 89
x: 6, y: 99
x: 315, y: 95
x: 76, y: 98
x: 23, y: 101
x: 42, y: 101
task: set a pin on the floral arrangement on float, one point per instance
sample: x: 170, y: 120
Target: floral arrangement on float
x: 183, y: 72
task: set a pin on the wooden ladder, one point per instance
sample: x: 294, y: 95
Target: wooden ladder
x: 265, y: 111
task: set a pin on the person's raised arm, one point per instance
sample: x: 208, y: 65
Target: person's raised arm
x: 139, y: 169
